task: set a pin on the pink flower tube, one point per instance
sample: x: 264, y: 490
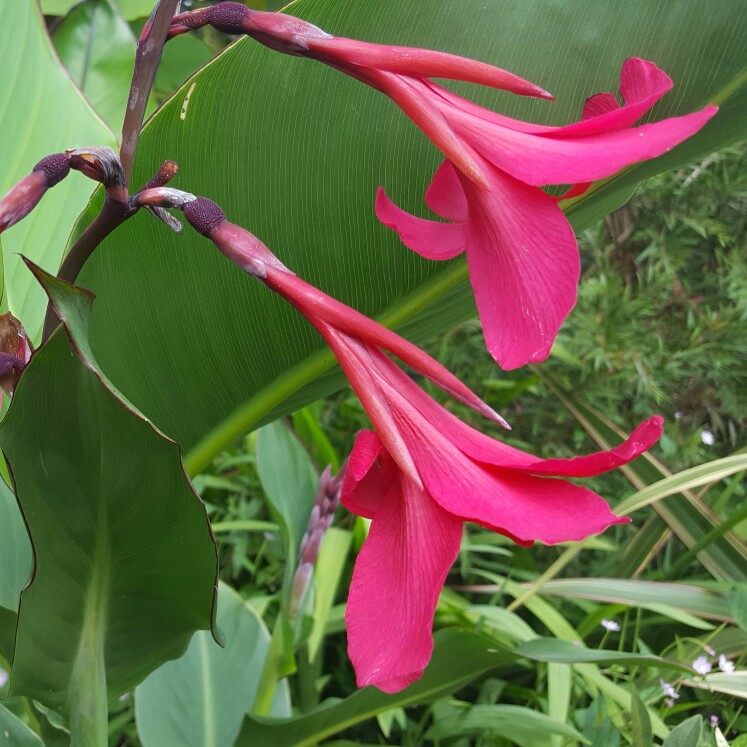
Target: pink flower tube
x: 422, y: 473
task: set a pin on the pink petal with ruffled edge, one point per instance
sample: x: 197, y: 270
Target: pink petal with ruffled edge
x: 398, y: 576
x: 431, y: 239
x: 523, y: 266
x: 566, y: 156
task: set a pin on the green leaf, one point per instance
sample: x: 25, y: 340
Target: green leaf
x: 200, y: 699
x: 14, y: 733
x: 730, y: 683
x: 704, y: 602
x: 134, y: 9
x: 8, y: 622
x: 295, y: 150
x: 97, y: 47
x: 15, y: 550
x: 515, y: 724
x: 328, y: 571
x: 41, y: 112
x: 125, y: 561
x: 564, y: 652
x: 290, y: 483
x: 57, y: 7
x: 686, y: 734
x: 458, y: 658
x: 640, y: 723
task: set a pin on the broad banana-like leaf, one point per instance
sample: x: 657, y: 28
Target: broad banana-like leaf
x: 294, y: 151
x: 41, y: 112
x: 125, y: 564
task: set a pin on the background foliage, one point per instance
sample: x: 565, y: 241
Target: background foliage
x: 661, y: 325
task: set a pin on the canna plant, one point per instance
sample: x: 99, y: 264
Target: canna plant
x: 130, y: 395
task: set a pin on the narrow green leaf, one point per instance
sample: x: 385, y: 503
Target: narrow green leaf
x: 640, y: 723
x: 97, y: 47
x: 703, y: 474
x: 125, y: 562
x: 14, y: 733
x: 559, y: 686
x: 738, y: 604
x: 8, y: 622
x: 731, y: 683
x: 565, y: 652
x: 458, y: 658
x: 200, y: 699
x: 41, y: 112
x: 515, y: 724
x: 15, y: 550
x: 686, y: 734
x: 697, y: 600
x: 328, y: 571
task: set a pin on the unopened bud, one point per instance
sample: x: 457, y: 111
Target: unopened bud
x: 15, y: 352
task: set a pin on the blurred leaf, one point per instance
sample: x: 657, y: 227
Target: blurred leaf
x: 565, y: 652
x: 290, y: 483
x: 515, y: 724
x: 686, y: 734
x: 41, y: 112
x: 708, y: 603
x: 57, y: 7
x: 263, y: 131
x: 134, y: 9
x: 640, y: 723
x: 458, y: 658
x: 731, y: 683
x: 14, y: 733
x: 15, y: 550
x: 738, y: 604
x: 201, y: 698
x: 98, y: 48
x: 724, y: 556
x: 559, y: 688
x: 328, y: 570
x: 125, y: 562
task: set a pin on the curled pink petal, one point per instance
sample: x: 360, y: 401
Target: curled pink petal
x: 445, y: 195
x: 397, y: 579
x: 431, y: 239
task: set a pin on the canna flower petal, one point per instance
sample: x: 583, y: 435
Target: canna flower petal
x: 411, y: 545
x: 521, y: 253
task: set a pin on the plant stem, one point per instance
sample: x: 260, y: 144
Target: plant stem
x: 146, y: 63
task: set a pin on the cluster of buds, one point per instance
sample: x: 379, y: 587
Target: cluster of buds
x: 321, y: 518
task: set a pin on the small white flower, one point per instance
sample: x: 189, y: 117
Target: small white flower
x: 677, y: 415
x: 668, y: 690
x: 707, y: 437
x: 3, y: 677
x: 725, y: 665
x: 709, y: 650
x: 669, y: 702
x: 714, y: 721
x: 702, y: 666
x: 610, y: 625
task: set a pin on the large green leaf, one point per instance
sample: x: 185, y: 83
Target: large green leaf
x: 15, y: 550
x: 14, y: 733
x: 458, y: 658
x: 41, y: 112
x: 125, y: 564
x: 200, y: 699
x: 97, y: 47
x: 294, y: 150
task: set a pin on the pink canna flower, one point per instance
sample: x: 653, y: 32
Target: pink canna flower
x: 521, y: 251
x: 422, y: 473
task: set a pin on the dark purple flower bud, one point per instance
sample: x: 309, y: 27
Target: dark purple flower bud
x: 15, y: 352
x: 24, y: 196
